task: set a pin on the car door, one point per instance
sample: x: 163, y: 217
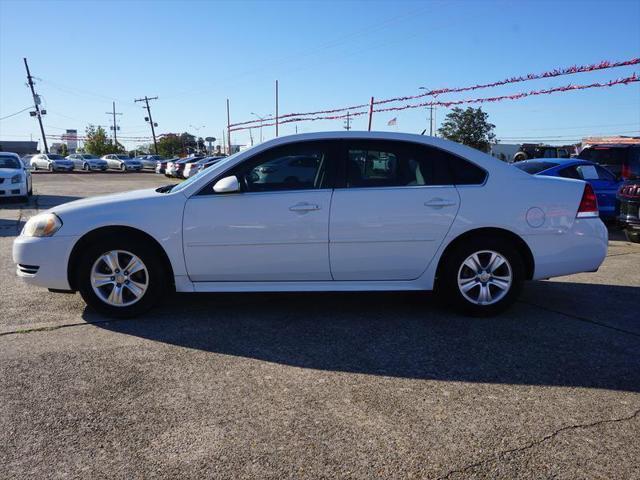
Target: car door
x: 276, y: 228
x: 392, y: 212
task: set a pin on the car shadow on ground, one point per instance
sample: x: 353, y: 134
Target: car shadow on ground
x: 401, y: 335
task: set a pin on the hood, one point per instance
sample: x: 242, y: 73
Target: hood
x: 102, y: 201
x: 9, y: 172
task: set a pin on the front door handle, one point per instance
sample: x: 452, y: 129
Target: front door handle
x: 439, y: 203
x: 304, y: 207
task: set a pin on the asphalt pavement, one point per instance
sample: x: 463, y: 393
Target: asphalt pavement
x: 349, y: 385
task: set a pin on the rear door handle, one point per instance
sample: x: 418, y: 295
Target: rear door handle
x: 439, y: 203
x: 304, y: 207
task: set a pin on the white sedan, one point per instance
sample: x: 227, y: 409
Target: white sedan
x: 15, y: 177
x: 379, y: 211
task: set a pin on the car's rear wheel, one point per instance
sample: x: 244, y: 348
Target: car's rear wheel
x: 632, y: 236
x: 34, y: 166
x: 50, y: 167
x: 123, y: 168
x: 121, y: 278
x: 85, y: 167
x: 482, y: 277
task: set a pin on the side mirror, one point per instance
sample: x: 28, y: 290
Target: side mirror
x: 227, y: 185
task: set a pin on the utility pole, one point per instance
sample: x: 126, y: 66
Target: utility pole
x: 370, y: 113
x: 228, y: 128
x: 431, y: 119
x: 36, y: 102
x: 115, y: 126
x: 150, y: 119
x: 347, y: 125
x: 276, y: 108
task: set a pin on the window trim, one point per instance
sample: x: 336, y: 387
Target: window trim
x: 332, y: 154
x: 341, y: 181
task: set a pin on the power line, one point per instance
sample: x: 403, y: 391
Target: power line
x: 14, y: 114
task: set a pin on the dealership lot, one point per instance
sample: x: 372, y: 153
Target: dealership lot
x: 317, y: 385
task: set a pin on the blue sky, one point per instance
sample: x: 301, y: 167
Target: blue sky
x: 194, y: 55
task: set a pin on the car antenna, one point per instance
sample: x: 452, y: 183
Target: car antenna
x: 423, y: 131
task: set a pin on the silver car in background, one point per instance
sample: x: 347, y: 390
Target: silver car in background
x: 122, y: 162
x: 87, y: 162
x: 51, y: 162
x: 149, y: 162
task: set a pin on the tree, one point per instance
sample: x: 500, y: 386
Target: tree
x: 64, y: 150
x: 169, y: 145
x: 470, y: 127
x: 97, y: 143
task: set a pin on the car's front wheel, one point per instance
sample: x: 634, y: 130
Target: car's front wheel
x: 482, y: 277
x: 50, y: 167
x: 121, y: 278
x: 123, y: 167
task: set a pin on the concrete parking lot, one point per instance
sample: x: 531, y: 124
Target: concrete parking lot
x: 317, y: 385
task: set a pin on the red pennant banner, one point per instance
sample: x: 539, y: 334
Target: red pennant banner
x: 434, y: 93
x: 621, y: 81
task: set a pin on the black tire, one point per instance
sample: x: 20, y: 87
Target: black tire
x: 30, y: 191
x: 50, y: 167
x: 85, y: 167
x: 123, y: 168
x: 452, y: 266
x: 34, y: 166
x: 158, y: 276
x: 633, y: 237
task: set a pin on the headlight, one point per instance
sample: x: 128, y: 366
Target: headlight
x: 16, y: 178
x: 43, y: 225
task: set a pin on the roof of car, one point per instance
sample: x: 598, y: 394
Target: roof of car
x: 559, y: 161
x: 11, y: 154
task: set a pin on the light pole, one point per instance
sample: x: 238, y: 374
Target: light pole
x: 261, y: 120
x: 431, y: 114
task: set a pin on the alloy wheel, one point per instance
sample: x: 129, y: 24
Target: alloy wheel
x: 485, y: 277
x: 119, y: 278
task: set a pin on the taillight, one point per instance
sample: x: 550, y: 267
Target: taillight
x: 589, y: 203
x: 630, y: 191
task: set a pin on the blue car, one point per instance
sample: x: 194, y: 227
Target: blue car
x: 604, y: 182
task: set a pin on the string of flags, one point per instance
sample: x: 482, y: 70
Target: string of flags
x: 620, y: 81
x: 574, y: 69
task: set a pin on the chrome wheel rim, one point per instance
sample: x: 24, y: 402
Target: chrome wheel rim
x: 119, y: 278
x: 485, y: 277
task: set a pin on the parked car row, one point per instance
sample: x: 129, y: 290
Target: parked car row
x: 186, y: 167
x: 84, y: 161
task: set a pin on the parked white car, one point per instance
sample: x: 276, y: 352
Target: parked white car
x: 15, y: 177
x: 122, y: 162
x: 51, y: 162
x: 383, y: 211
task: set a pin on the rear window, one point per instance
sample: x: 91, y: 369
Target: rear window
x: 605, y: 156
x: 535, y: 167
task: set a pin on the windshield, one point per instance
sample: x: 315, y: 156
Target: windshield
x: 9, y: 162
x: 123, y: 157
x: 56, y: 157
x: 89, y: 157
x: 535, y: 167
x: 190, y: 180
